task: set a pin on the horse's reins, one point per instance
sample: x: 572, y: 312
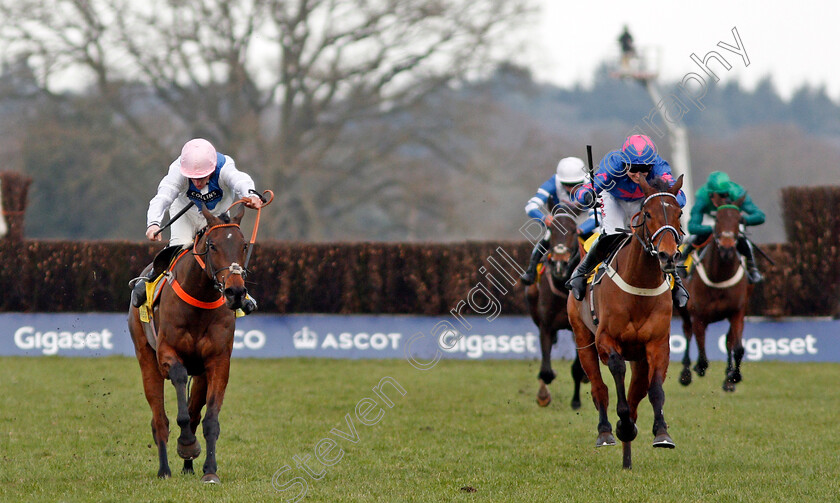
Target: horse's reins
x: 233, y: 268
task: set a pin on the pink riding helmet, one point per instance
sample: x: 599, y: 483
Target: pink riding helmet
x: 198, y: 158
x: 640, y: 149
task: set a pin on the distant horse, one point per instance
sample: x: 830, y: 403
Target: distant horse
x: 719, y: 290
x: 547, y: 301
x: 194, y: 322
x: 627, y: 316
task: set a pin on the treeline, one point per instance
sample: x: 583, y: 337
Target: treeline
x: 451, y: 159
x: 395, y: 278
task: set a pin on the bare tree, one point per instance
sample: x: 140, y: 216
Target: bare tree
x: 309, y: 95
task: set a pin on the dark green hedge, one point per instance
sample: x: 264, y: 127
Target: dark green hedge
x: 387, y: 278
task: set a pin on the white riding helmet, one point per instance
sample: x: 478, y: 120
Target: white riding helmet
x: 571, y: 171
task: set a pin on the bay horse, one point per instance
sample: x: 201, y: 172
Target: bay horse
x: 627, y: 317
x: 719, y: 290
x: 194, y: 321
x: 547, y: 299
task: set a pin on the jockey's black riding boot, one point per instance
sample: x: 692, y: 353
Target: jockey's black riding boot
x: 138, y: 291
x: 530, y: 275
x: 680, y: 293
x: 685, y: 247
x: 744, y: 247
x: 598, y: 252
x: 249, y: 305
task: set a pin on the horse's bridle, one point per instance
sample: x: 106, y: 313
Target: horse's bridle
x: 207, y: 265
x: 734, y: 235
x: 648, y: 241
x: 562, y: 248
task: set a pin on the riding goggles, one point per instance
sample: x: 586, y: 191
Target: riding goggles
x: 638, y: 168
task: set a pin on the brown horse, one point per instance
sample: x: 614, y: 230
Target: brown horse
x: 719, y: 290
x: 194, y: 322
x: 627, y: 316
x: 547, y: 300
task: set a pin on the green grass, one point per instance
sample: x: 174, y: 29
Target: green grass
x: 78, y: 430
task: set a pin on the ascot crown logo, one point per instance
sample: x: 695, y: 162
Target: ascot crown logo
x: 305, y: 339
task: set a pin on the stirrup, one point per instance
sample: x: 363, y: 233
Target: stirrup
x: 754, y: 276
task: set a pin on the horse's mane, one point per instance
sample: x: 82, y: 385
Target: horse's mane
x: 660, y: 184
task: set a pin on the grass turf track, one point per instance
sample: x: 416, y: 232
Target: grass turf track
x: 78, y: 429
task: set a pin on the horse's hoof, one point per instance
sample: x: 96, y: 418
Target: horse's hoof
x: 188, y: 470
x: 685, y: 377
x: 664, y: 440
x: 211, y: 478
x: 546, y: 376
x: 575, y: 404
x: 728, y: 385
x: 605, y: 439
x: 543, y: 396
x: 164, y: 473
x: 189, y: 451
x: 623, y: 432
x: 701, y: 371
x: 735, y: 377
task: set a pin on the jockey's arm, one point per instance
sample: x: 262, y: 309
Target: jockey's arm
x: 695, y: 223
x: 751, y: 214
x: 239, y: 181
x: 534, y: 206
x: 170, y: 187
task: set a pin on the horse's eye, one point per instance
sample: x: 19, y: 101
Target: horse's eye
x: 647, y: 214
x: 245, y: 247
x: 211, y: 246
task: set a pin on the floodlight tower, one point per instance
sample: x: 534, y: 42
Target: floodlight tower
x: 644, y: 68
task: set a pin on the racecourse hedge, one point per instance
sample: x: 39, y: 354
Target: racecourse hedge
x: 388, y: 278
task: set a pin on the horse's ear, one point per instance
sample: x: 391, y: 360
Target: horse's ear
x: 211, y: 219
x: 646, y: 188
x: 675, y: 189
x: 237, y: 214
x: 740, y: 201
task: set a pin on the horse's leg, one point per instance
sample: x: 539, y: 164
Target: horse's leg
x: 547, y: 374
x: 588, y: 356
x: 699, y: 328
x: 198, y: 396
x: 188, y: 446
x: 639, y: 385
x: 734, y: 351
x: 218, y: 371
x: 657, y: 357
x: 153, y: 387
x: 625, y: 429
x: 577, y: 376
x: 685, y: 375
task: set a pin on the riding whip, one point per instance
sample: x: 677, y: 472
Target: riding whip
x: 176, y: 217
x: 592, y: 181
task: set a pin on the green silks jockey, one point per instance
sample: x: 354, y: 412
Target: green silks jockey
x: 719, y: 184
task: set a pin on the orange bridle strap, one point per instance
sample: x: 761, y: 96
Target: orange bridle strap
x: 189, y: 299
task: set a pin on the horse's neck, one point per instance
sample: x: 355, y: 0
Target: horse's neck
x: 718, y: 269
x: 193, y: 279
x: 637, y: 267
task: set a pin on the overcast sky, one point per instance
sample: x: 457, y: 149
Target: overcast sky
x: 794, y: 42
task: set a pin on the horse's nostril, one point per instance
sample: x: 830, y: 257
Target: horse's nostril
x: 664, y: 257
